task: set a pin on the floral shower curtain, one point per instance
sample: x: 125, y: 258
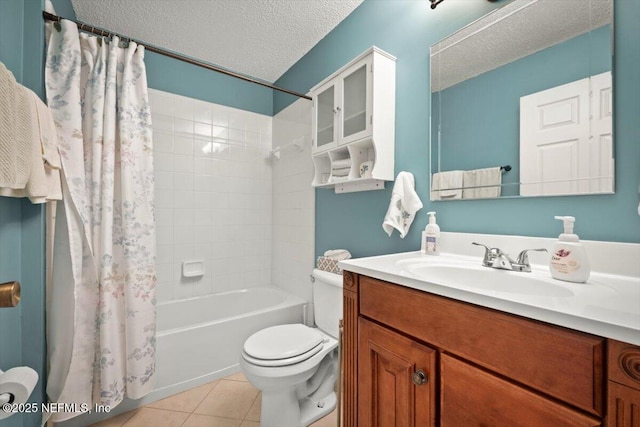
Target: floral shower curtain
x: 101, y: 303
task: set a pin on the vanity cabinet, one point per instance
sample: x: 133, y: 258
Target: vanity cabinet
x: 483, y: 367
x: 397, y: 379
x: 353, y: 122
x: 623, y: 385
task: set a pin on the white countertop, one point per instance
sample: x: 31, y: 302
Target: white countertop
x: 607, y: 305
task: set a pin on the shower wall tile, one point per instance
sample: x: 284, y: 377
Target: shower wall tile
x: 292, y: 203
x: 213, y: 195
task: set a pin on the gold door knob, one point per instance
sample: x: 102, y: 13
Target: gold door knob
x: 9, y: 294
x: 419, y: 377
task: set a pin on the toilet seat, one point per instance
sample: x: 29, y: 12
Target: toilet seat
x: 282, y: 345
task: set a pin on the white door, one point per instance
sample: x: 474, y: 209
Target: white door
x: 559, y: 151
x: 601, y: 142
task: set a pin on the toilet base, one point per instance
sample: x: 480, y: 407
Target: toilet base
x: 284, y: 409
x: 312, y: 411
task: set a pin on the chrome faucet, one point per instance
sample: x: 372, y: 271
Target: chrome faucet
x: 495, y: 258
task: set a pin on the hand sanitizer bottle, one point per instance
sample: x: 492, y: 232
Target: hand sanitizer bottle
x: 431, y: 237
x: 569, y: 260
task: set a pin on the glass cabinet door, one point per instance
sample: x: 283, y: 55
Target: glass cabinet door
x: 354, y: 114
x: 325, y: 118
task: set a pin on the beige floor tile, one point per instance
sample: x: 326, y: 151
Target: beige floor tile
x: 186, y: 401
x: 196, y: 420
x: 116, y: 421
x: 148, y: 417
x: 330, y: 420
x: 237, y: 377
x: 254, y: 411
x: 250, y: 424
x: 229, y: 399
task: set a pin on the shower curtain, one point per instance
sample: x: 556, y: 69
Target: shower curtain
x: 101, y: 319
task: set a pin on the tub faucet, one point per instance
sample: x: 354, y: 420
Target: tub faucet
x: 495, y: 258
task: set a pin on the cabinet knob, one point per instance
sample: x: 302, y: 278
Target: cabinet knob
x: 419, y: 377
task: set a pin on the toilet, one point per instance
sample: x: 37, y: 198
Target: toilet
x: 295, y: 366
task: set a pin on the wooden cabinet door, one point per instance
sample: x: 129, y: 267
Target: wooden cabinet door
x: 387, y: 395
x: 624, y: 406
x: 624, y: 385
x: 471, y: 397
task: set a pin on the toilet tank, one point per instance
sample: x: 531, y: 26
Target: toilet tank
x: 327, y: 301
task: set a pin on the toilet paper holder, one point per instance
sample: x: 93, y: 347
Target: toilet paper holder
x: 5, y: 397
x: 9, y: 294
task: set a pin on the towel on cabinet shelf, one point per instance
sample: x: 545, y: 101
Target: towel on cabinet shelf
x: 447, y: 185
x: 340, y: 164
x: 403, y: 205
x: 487, y: 183
x: 336, y: 179
x: 340, y: 172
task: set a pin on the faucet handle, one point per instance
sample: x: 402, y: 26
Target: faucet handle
x: 490, y: 254
x: 522, y: 263
x: 523, y: 258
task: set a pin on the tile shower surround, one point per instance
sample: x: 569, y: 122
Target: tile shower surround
x: 213, y: 195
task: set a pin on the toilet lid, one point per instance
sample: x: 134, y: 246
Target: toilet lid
x: 282, y: 342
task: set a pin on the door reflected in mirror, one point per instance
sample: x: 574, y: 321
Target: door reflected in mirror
x: 521, y: 103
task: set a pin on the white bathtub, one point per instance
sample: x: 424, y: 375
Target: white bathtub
x: 200, y: 339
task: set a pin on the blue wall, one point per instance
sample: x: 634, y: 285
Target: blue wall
x: 22, y: 330
x: 171, y: 75
x: 406, y: 29
x: 184, y: 79
x: 482, y: 114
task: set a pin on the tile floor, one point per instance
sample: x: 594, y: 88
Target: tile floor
x: 229, y: 402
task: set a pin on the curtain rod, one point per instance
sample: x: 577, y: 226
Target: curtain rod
x: 106, y: 33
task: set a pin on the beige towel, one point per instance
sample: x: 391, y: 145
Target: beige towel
x: 446, y: 185
x: 337, y: 254
x: 48, y: 138
x: 487, y: 183
x: 15, y: 133
x: 43, y: 183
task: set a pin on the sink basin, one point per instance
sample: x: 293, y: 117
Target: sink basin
x: 488, y: 280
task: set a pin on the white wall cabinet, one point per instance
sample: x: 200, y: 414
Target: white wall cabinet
x: 353, y: 122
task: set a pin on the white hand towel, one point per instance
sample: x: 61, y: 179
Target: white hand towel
x: 15, y: 133
x: 446, y: 185
x: 340, y: 172
x: 486, y: 183
x: 338, y: 254
x: 342, y: 163
x: 403, y: 205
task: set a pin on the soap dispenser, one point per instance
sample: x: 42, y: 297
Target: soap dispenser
x: 431, y: 237
x: 569, y: 260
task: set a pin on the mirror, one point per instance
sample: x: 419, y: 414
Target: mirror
x: 521, y: 103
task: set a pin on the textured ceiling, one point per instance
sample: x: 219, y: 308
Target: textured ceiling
x: 260, y: 38
x: 514, y: 31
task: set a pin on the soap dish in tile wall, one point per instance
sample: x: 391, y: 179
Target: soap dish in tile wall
x: 193, y: 268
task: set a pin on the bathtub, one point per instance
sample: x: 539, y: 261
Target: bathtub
x: 200, y: 339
